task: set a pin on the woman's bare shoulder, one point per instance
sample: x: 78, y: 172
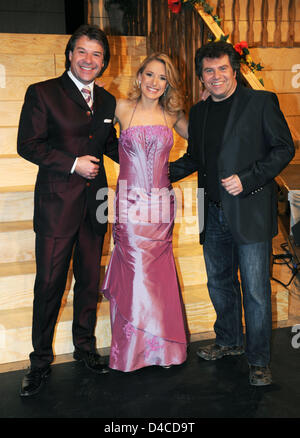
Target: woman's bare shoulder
x: 124, y: 105
x: 124, y: 109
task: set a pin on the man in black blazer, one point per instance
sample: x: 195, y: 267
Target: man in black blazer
x: 66, y: 126
x: 238, y: 142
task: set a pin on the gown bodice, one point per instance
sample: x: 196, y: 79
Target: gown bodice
x: 144, y: 154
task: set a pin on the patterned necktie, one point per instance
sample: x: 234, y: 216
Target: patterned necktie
x: 87, y: 95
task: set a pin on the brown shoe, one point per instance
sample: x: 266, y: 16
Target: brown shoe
x: 215, y: 351
x: 260, y: 376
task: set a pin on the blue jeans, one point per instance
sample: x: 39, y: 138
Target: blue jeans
x: 223, y: 258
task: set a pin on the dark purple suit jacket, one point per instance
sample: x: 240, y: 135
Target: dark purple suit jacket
x: 56, y: 126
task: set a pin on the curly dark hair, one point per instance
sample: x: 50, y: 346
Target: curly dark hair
x: 93, y: 32
x: 216, y: 49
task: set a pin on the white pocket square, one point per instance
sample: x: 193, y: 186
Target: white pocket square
x: 107, y: 120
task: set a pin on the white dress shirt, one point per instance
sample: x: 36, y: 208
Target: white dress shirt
x: 80, y: 85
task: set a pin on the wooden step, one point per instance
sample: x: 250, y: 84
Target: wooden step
x: 17, y: 278
x: 8, y: 140
x: 118, y: 87
x: 38, y: 44
x: 17, y: 241
x: 275, y: 58
x: 10, y: 113
x: 275, y: 80
x: 15, y: 332
x: 17, y: 81
x: 15, y: 327
x: 289, y: 104
x: 51, y: 65
x: 16, y: 205
x: 18, y: 172
x: 17, y: 283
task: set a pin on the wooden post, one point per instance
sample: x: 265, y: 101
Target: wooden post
x: 278, y: 19
x: 221, y: 11
x: 292, y: 18
x: 250, y: 32
x: 236, y: 21
x: 264, y: 19
x: 149, y: 19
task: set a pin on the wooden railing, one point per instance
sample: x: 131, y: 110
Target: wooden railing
x: 265, y: 23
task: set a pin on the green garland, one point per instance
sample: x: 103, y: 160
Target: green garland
x: 206, y: 7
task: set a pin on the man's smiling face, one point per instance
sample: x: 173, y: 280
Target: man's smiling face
x: 218, y: 77
x: 86, y: 59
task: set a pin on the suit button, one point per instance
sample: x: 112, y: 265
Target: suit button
x: 88, y: 113
x: 88, y: 184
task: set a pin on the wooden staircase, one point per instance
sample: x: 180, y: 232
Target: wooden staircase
x: 25, y: 59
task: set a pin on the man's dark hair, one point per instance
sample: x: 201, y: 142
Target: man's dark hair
x: 93, y: 33
x: 216, y: 49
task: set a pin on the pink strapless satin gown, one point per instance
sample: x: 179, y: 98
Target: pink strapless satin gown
x: 141, y: 283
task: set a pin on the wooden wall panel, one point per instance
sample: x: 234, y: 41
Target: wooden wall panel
x: 8, y: 140
x: 16, y: 86
x: 28, y: 65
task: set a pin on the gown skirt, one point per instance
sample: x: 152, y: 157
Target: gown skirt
x: 147, y: 317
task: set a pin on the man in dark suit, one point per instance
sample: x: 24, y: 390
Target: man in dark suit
x: 65, y: 131
x: 238, y: 142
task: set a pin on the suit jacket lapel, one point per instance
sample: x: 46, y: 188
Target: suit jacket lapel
x: 97, y: 103
x: 73, y: 91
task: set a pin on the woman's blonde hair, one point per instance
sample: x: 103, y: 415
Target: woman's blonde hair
x: 172, y: 99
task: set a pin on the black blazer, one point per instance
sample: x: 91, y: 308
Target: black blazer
x: 256, y: 146
x: 56, y: 125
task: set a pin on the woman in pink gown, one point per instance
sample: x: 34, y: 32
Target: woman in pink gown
x: 147, y: 319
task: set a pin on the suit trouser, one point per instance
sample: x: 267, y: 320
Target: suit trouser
x: 53, y: 257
